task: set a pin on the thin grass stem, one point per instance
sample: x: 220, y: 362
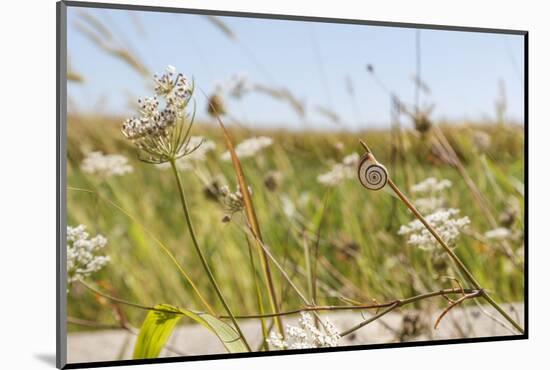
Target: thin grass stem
x: 201, y: 254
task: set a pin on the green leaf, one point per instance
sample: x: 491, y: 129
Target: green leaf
x: 155, y: 331
x: 159, y: 325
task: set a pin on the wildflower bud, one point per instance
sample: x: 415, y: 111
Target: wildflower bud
x: 272, y: 180
x: 216, y: 105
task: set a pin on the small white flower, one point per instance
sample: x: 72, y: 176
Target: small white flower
x: 340, y: 171
x: 306, y: 335
x: 176, y: 90
x: 430, y: 189
x: 289, y: 209
x: 499, y: 233
x: 249, y: 147
x: 106, y: 165
x: 429, y: 204
x: 171, y: 69
x: 336, y: 175
x: 431, y: 185
x: 351, y: 160
x: 444, y: 221
x: 82, y: 257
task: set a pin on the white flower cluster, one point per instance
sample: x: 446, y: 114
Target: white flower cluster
x: 176, y: 90
x: 340, y: 171
x: 199, y: 147
x: 82, y: 257
x: 444, y: 221
x: 430, y: 191
x: 499, y: 233
x: 289, y: 208
x: 159, y: 133
x: 431, y: 185
x: 503, y: 233
x: 306, y: 335
x: 106, y: 165
x: 151, y: 124
x: 249, y: 147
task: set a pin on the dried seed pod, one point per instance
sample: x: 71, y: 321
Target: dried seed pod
x: 216, y: 105
x: 372, y: 174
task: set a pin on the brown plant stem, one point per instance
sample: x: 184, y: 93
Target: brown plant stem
x: 398, y: 302
x: 253, y: 223
x: 388, y: 306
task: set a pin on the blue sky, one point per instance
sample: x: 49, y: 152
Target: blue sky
x: 312, y: 60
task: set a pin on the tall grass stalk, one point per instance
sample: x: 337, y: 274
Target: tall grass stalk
x: 201, y: 254
x: 265, y: 331
x: 253, y: 222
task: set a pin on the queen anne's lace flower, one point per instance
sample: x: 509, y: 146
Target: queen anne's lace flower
x: 351, y: 160
x: 106, y: 165
x: 431, y: 185
x: 162, y: 135
x: 82, y: 253
x: 177, y: 91
x: 306, y: 335
x: 336, y: 175
x: 499, y: 233
x: 430, y: 192
x: 249, y: 147
x: 340, y: 171
x: 444, y: 221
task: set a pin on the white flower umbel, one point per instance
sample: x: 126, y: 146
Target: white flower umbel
x: 500, y: 233
x: 289, y: 208
x: 431, y: 185
x: 430, y: 192
x: 186, y: 163
x: 106, y: 165
x: 306, y: 335
x: 249, y: 147
x: 351, y: 160
x: 82, y: 253
x: 163, y: 135
x: 336, y: 175
x: 444, y: 221
x: 340, y: 171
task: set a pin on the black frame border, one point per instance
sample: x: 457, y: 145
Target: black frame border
x: 61, y: 125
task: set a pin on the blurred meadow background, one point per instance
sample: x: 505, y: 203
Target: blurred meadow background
x: 446, y: 105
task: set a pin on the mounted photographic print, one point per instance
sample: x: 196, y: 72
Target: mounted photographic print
x: 235, y: 184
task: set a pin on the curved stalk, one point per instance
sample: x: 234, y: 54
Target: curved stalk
x: 201, y: 254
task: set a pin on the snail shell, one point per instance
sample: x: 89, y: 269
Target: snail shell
x: 372, y: 174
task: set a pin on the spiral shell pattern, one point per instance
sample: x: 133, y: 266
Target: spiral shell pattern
x: 372, y: 174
